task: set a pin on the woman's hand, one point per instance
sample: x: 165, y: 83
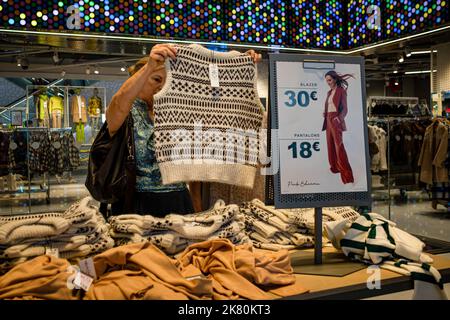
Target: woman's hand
x: 256, y: 57
x: 160, y: 52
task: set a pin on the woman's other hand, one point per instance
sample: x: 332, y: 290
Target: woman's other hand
x: 160, y: 52
x: 256, y: 57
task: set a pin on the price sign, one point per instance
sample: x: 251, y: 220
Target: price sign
x: 321, y: 139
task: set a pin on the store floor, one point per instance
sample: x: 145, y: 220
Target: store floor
x: 413, y: 213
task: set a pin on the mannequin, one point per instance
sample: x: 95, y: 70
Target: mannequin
x: 42, y: 108
x: 95, y: 109
x: 56, y: 108
x: 79, y: 114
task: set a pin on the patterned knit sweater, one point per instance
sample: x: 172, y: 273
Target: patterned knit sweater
x: 205, y: 133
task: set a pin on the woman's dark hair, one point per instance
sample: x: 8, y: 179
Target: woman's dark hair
x: 341, y: 79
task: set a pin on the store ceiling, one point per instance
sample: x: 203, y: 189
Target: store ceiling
x: 110, y: 57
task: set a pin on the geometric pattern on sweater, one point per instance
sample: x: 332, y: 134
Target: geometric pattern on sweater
x: 62, y: 243
x: 172, y: 242
x: 269, y: 217
x: 103, y: 243
x: 193, y: 226
x: 80, y: 211
x: 253, y: 224
x: 188, y: 100
x: 304, y: 217
x: 341, y: 213
x: 280, y: 214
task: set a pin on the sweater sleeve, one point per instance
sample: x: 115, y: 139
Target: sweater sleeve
x: 441, y: 153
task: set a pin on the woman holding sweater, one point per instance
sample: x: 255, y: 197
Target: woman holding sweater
x: 135, y: 99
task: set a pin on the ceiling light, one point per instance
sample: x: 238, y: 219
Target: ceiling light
x: 401, y: 58
x: 396, y: 82
x: 421, y: 52
x: 396, y: 71
x: 63, y: 73
x: 88, y: 70
x: 55, y: 57
x: 144, y: 50
x: 96, y: 71
x: 123, y: 68
x: 408, y: 52
x: 23, y: 63
x: 418, y: 72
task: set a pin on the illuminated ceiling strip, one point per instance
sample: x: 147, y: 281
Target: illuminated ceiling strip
x: 423, y: 52
x: 419, y: 72
x: 159, y: 40
x: 254, y: 46
x: 398, y: 40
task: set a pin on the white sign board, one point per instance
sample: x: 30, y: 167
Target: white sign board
x: 322, y: 131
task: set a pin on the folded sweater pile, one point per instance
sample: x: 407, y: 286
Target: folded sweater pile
x: 275, y: 229
x: 173, y: 233
x: 78, y: 232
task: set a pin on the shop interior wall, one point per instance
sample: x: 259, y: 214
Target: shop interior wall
x: 375, y: 88
x: 9, y: 92
x: 417, y: 86
x: 443, y: 67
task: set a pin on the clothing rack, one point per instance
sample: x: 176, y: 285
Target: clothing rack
x: 45, y: 186
x: 389, y: 99
x: 393, y: 99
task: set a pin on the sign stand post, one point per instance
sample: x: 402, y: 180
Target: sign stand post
x: 317, y: 235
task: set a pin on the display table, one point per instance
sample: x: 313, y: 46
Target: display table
x: 354, y: 285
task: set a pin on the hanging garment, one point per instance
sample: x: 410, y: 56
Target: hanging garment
x: 56, y: 154
x: 4, y: 153
x: 206, y: 133
x: 39, y: 146
x: 73, y: 154
x: 79, y: 128
x: 43, y: 111
x: 79, y: 114
x: 434, y: 154
x: 95, y: 106
x: 19, y: 148
x: 379, y: 159
x: 56, y: 103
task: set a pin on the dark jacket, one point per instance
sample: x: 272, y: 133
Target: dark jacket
x: 340, y: 101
